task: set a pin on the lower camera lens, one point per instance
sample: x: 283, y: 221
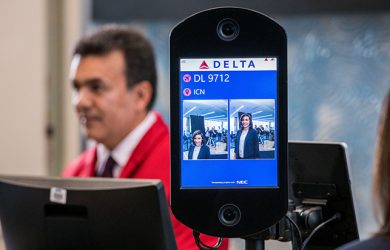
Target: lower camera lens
x: 228, y: 29
x: 229, y: 215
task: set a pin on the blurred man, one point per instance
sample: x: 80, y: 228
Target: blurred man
x: 114, y: 79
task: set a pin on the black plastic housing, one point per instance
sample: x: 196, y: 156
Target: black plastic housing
x: 197, y: 37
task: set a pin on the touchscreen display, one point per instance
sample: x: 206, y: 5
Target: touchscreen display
x: 229, y: 122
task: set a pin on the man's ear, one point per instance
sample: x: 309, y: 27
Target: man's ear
x: 143, y: 93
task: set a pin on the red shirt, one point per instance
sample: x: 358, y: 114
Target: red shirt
x: 149, y: 160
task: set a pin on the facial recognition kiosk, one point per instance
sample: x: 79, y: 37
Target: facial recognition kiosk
x: 228, y: 122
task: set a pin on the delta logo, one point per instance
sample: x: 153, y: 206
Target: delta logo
x: 229, y: 64
x: 204, y: 65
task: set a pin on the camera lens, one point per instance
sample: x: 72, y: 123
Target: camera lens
x: 229, y: 215
x: 228, y: 29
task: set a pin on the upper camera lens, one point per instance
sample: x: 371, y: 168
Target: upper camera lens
x: 228, y: 29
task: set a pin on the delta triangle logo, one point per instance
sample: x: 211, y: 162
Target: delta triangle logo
x: 204, y: 65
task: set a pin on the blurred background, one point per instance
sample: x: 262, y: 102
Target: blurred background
x: 338, y: 74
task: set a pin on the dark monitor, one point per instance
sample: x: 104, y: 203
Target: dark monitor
x: 318, y: 178
x: 75, y: 213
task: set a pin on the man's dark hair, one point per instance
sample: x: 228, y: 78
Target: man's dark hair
x: 137, y: 50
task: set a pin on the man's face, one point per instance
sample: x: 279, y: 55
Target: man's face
x: 106, y: 108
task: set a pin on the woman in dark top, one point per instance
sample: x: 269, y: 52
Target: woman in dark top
x: 198, y: 150
x: 381, y: 186
x: 247, y: 141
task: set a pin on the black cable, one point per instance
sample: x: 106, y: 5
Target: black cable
x: 203, y: 246
x: 334, y: 217
x: 296, y: 229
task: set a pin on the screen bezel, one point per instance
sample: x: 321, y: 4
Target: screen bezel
x: 196, y: 37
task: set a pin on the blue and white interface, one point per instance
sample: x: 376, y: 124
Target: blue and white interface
x: 229, y: 122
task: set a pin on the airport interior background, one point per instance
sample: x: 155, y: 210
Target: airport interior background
x: 338, y: 74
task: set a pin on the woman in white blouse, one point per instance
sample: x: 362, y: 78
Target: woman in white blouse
x: 247, y: 141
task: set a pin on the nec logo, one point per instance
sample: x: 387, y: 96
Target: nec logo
x: 229, y: 64
x: 242, y: 182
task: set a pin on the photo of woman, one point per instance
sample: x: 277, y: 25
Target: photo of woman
x: 207, y: 120
x: 250, y: 120
x: 198, y: 150
x: 247, y: 140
